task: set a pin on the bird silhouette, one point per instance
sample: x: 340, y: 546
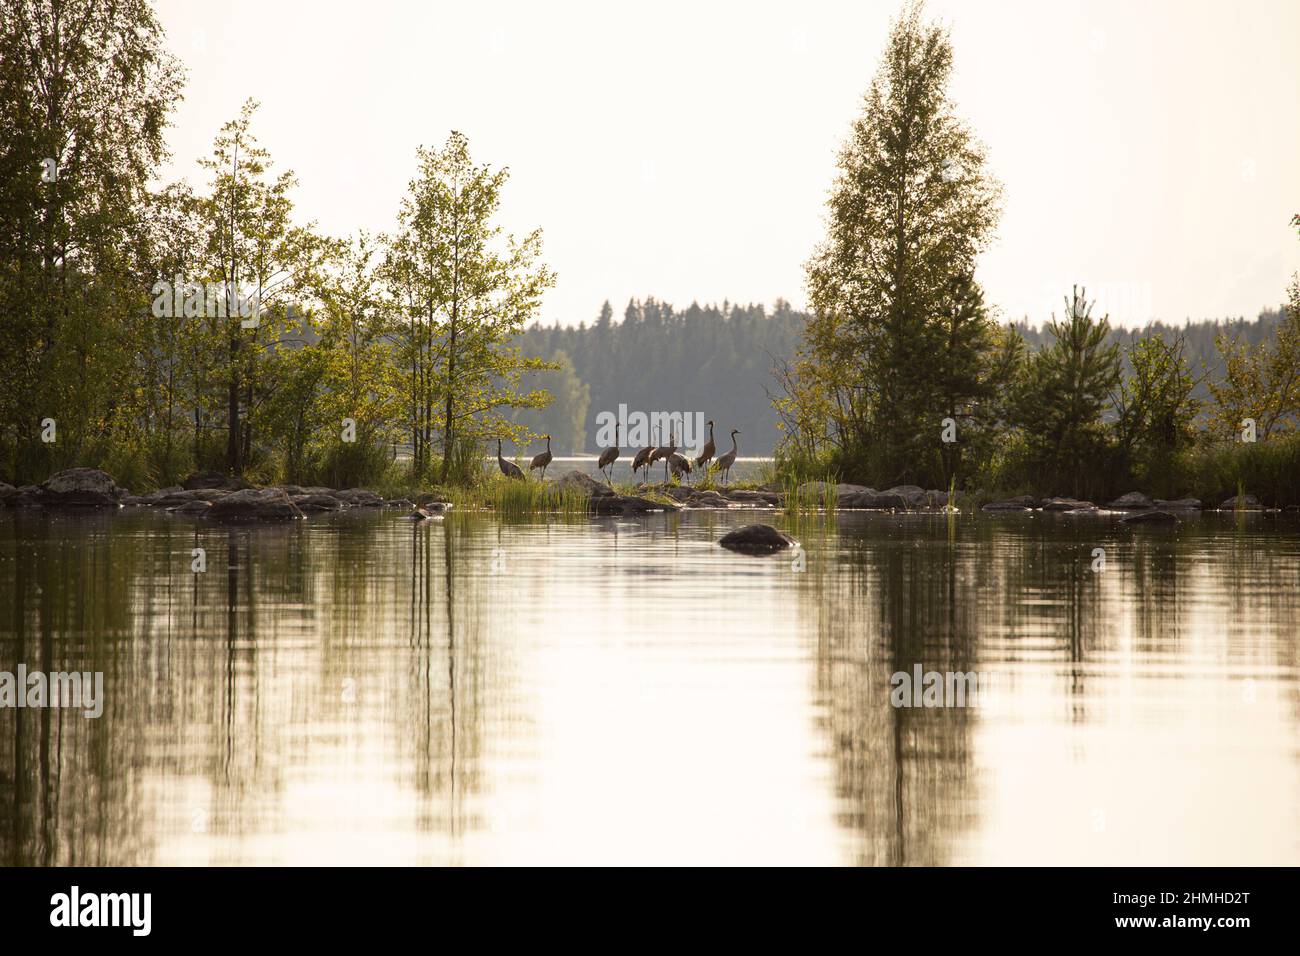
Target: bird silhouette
x: 543, y: 460
x: 508, y: 468
x: 729, y: 459
x: 607, y: 459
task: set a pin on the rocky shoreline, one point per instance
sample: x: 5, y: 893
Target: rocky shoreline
x: 216, y: 496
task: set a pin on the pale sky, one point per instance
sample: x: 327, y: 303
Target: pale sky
x: 1149, y: 150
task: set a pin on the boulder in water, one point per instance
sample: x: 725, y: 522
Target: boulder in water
x: 80, y: 488
x: 1132, y: 501
x: 757, y: 539
x: 255, y: 504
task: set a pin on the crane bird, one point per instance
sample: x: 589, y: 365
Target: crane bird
x: 729, y: 459
x: 706, y: 453
x: 607, y: 459
x: 508, y: 468
x: 543, y: 460
x: 665, y: 451
x: 642, y: 459
x: 680, y: 465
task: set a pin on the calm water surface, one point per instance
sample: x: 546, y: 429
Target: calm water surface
x: 358, y: 689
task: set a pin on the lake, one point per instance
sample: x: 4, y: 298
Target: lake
x: 356, y: 688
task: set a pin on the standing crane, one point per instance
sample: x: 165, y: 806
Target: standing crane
x: 508, y: 468
x: 729, y: 459
x: 706, y: 453
x: 665, y: 451
x: 642, y: 459
x: 607, y: 459
x: 543, y: 460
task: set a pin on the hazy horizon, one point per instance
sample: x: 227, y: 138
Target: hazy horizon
x: 1147, y: 153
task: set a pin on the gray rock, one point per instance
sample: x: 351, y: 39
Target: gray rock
x: 1149, y: 517
x: 255, y: 504
x: 625, y: 505
x: 214, y: 479
x: 914, y: 495
x: 1244, y: 503
x: 27, y: 496
x: 314, y: 504
x: 847, y: 497
x: 873, y: 501
x: 134, y: 501
x: 818, y: 488
x: 1132, y: 501
x: 195, y: 506
x: 754, y: 497
x: 80, y: 488
x: 707, y: 499
x: 1067, y: 504
x: 7, y: 491
x: 579, y: 482
x: 1019, y: 503
x: 1179, y: 504
x: 174, y: 498
x: 358, y: 498
x: 757, y: 539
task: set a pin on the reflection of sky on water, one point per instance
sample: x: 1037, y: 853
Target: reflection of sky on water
x: 361, y: 689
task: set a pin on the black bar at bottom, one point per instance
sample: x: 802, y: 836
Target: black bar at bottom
x: 336, y: 905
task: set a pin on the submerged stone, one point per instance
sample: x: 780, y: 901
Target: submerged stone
x: 1019, y: 503
x: 1149, y: 517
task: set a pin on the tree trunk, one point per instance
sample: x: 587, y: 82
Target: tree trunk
x: 234, y: 463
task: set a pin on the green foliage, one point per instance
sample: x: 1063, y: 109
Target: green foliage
x: 119, y: 304
x: 1154, y: 411
x: 87, y: 85
x: 464, y: 290
x: 1062, y: 394
x: 902, y: 338
x: 1268, y: 470
x: 1261, y: 381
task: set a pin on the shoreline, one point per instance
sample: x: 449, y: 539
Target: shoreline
x: 575, y: 492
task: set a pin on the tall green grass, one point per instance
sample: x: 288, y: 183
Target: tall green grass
x: 1269, y: 470
x: 802, y: 502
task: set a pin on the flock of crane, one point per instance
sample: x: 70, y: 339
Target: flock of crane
x: 680, y: 466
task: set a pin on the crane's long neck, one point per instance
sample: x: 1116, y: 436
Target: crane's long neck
x: 548, y: 444
x: 710, y: 431
x: 734, y: 447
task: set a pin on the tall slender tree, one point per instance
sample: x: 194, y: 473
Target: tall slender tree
x: 909, y: 212
x: 466, y: 288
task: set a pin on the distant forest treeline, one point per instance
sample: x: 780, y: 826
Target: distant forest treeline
x: 1198, y: 338
x: 718, y: 360
x: 711, y: 359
